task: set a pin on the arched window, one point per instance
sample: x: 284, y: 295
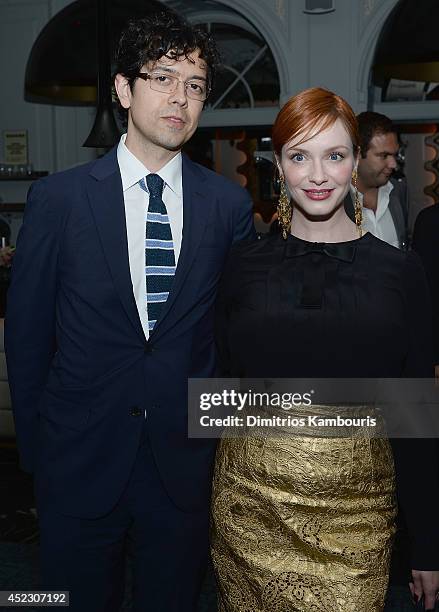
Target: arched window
x: 248, y: 84
x: 248, y: 77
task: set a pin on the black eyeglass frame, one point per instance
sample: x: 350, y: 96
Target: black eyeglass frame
x: 146, y: 76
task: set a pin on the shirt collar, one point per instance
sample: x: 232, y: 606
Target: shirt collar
x: 386, y: 189
x: 383, y: 193
x: 171, y: 173
x: 383, y: 199
x: 132, y: 169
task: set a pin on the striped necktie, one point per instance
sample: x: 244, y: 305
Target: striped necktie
x: 159, y: 250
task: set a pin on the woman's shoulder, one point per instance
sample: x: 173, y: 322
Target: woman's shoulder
x: 386, y: 256
x: 257, y: 253
x: 260, y: 244
x: 381, y: 249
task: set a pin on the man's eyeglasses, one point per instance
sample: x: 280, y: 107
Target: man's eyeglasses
x: 166, y: 83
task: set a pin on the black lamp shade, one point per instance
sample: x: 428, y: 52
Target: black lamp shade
x: 63, y: 65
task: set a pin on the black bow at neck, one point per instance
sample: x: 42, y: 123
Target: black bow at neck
x: 338, y: 250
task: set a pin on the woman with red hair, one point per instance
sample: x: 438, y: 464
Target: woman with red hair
x: 304, y: 523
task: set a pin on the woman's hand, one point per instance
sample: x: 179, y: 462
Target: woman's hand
x: 425, y: 583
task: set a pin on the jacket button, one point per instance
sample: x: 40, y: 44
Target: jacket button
x: 148, y: 349
x: 136, y: 411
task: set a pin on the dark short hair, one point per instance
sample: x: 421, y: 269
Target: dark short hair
x: 162, y: 33
x: 371, y: 124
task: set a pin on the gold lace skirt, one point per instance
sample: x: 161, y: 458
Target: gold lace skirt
x: 303, y: 524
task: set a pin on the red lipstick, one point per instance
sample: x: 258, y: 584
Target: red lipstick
x: 318, y: 194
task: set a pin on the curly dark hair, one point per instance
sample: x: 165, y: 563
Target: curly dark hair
x: 371, y: 124
x: 163, y: 33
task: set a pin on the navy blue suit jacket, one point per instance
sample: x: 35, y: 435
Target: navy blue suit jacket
x: 80, y: 369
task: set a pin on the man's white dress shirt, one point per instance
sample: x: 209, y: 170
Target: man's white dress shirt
x: 380, y: 222
x: 136, y: 206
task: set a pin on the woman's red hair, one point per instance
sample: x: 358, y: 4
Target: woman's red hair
x: 310, y: 112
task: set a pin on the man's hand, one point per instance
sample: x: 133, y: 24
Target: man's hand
x: 426, y: 584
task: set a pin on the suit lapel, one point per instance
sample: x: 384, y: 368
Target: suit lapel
x: 106, y: 201
x: 197, y: 204
x: 397, y: 214
x: 393, y: 209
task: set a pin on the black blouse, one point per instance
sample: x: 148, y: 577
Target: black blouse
x: 297, y: 309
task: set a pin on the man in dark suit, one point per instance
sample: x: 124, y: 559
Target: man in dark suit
x: 426, y: 244
x: 384, y: 199
x: 104, y: 328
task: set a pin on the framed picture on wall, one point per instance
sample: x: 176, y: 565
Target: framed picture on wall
x: 15, y: 146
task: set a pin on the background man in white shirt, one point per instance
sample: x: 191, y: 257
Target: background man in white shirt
x: 384, y: 199
x: 110, y: 311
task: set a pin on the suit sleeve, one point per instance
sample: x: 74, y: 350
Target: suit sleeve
x: 30, y: 317
x: 243, y: 230
x: 417, y: 459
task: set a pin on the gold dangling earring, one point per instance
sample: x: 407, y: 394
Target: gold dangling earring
x: 358, y: 208
x: 284, y: 209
